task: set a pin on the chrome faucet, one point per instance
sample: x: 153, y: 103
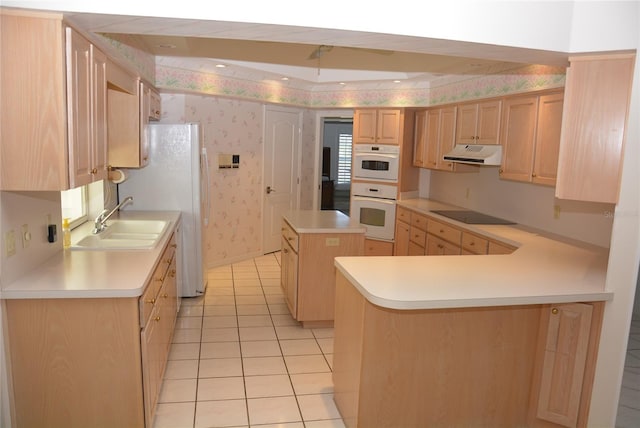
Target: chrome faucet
x: 100, y: 222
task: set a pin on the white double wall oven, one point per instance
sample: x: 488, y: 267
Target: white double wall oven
x: 374, y: 188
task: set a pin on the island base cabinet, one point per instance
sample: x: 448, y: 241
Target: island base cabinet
x: 75, y: 362
x: 441, y: 367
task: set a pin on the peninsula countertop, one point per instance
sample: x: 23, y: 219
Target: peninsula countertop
x: 325, y: 221
x: 543, y: 269
x: 95, y: 273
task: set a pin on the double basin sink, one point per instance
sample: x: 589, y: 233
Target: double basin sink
x: 124, y: 235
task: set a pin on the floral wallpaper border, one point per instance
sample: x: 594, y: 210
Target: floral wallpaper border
x: 525, y: 79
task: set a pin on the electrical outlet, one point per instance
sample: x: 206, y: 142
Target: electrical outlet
x: 332, y: 242
x: 467, y: 193
x: 556, y: 211
x: 10, y: 243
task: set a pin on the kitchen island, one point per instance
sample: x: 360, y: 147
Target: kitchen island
x: 470, y: 340
x: 88, y: 332
x: 311, y: 240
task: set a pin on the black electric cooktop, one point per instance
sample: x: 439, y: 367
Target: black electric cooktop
x: 471, y: 217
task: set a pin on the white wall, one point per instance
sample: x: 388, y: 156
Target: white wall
x: 527, y: 204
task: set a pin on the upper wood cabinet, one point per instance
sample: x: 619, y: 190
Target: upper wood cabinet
x: 377, y: 126
x: 434, y: 137
x: 478, y: 123
x: 596, y: 106
x: 53, y: 105
x: 530, y: 138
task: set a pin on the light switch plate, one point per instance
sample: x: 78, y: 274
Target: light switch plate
x: 10, y: 243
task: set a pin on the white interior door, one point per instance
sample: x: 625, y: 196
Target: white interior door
x: 281, y: 171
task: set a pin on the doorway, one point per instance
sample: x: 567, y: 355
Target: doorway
x: 337, y: 134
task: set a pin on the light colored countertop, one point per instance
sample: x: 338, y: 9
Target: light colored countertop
x: 95, y: 273
x: 326, y: 221
x: 544, y: 269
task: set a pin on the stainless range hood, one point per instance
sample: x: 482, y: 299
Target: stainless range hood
x: 475, y: 154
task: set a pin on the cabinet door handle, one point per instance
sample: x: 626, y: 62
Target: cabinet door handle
x: 554, y: 311
x: 152, y: 301
x: 94, y: 171
x: 157, y: 318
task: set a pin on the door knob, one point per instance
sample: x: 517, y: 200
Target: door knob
x: 269, y: 190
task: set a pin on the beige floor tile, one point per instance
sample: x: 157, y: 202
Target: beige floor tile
x: 174, y: 415
x: 220, y: 367
x: 312, y: 383
x: 220, y: 350
x: 293, y: 332
x: 218, y: 282
x: 328, y: 423
x: 253, y: 310
x: 190, y: 311
x: 284, y: 320
x: 181, y: 369
x: 254, y: 321
x: 326, y: 344
x: 269, y: 273
x: 219, y: 291
x: 250, y: 300
x: 186, y: 335
x: 275, y: 299
x: 220, y: 321
x: 261, y: 348
x: 221, y: 388
x: 257, y: 333
x: 273, y: 410
x: 322, y: 333
x: 249, y: 291
x: 218, y: 310
x: 178, y: 390
x: 270, y: 282
x: 278, y: 308
x: 246, y: 282
x: 220, y: 334
x: 224, y: 413
x: 320, y: 406
x: 275, y: 290
x: 299, y: 347
x: 188, y: 322
x: 256, y: 366
x: 219, y: 300
x: 184, y: 351
x: 281, y: 425
x: 246, y: 274
x: 268, y: 386
x: 306, y: 364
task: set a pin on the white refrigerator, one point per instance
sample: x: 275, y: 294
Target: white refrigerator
x: 176, y: 178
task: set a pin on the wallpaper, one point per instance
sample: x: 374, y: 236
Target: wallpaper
x: 233, y: 126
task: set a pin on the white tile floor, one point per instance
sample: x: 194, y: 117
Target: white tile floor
x: 239, y: 359
x: 629, y: 403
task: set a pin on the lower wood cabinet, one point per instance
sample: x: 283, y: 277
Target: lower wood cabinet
x: 374, y: 247
x: 307, y: 273
x: 92, y: 362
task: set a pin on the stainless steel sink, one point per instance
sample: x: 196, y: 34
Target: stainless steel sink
x: 124, y: 235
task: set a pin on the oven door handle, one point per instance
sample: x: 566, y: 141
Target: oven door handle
x: 357, y: 198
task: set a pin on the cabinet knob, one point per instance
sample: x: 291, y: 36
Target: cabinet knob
x: 152, y: 301
x: 533, y: 175
x: 157, y: 318
x: 500, y: 171
x: 157, y: 279
x: 174, y: 245
x: 441, y: 230
x: 554, y: 311
x: 165, y: 295
x: 94, y: 171
x: 168, y: 262
x: 286, y: 251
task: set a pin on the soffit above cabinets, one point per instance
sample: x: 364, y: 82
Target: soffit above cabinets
x: 361, y: 56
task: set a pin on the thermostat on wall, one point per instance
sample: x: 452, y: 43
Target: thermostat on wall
x: 226, y: 161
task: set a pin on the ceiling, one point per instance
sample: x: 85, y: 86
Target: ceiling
x: 300, y: 53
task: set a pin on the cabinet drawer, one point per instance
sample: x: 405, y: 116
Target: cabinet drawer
x: 289, y: 235
x: 418, y: 236
x: 150, y: 294
x: 373, y: 247
x: 474, y: 243
x: 444, y: 231
x: 440, y: 247
x: 403, y: 215
x: 418, y: 221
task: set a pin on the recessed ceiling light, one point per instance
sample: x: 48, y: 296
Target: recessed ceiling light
x: 396, y: 81
x: 220, y: 66
x: 342, y: 83
x: 285, y: 78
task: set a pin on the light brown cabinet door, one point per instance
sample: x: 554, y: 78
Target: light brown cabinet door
x: 478, y: 123
x: 374, y: 247
x: 388, y: 126
x: 440, y: 247
x: 145, y: 108
x: 420, y: 139
x: 446, y: 137
x: 518, y: 137
x: 432, y: 138
x: 401, y: 245
x: 364, y: 126
x: 596, y: 106
x: 289, y: 277
x: 547, y: 146
x: 564, y: 363
x: 99, y: 114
